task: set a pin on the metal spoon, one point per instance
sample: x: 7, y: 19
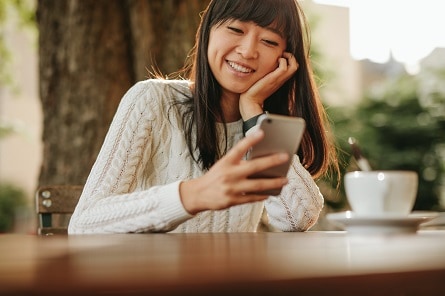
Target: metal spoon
x: 362, y: 162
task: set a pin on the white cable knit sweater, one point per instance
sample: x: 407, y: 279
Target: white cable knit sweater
x: 134, y: 184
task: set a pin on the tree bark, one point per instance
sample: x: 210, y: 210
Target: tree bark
x: 90, y: 53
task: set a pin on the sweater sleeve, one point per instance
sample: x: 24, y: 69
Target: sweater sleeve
x: 112, y: 200
x: 299, y: 204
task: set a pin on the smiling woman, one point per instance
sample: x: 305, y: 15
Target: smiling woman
x: 240, y: 54
x: 174, y: 158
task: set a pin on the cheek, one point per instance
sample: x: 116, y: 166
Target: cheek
x: 210, y: 49
x: 211, y: 55
x: 270, y: 64
x: 214, y: 48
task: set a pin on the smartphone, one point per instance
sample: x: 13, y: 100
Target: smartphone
x: 282, y: 134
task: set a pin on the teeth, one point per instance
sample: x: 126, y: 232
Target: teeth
x: 239, y: 68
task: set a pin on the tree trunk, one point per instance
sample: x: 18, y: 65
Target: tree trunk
x: 90, y: 53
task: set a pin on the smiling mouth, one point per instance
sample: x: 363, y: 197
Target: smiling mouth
x: 240, y: 68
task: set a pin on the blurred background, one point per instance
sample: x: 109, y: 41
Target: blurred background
x: 64, y: 66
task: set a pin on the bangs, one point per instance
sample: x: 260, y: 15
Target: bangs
x: 265, y: 13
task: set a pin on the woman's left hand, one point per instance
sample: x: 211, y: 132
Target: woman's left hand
x: 252, y: 100
x: 228, y: 181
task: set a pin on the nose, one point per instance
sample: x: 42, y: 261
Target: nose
x: 247, y: 48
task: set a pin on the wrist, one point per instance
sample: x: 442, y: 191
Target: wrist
x: 186, y: 197
x: 249, y: 109
x: 251, y: 122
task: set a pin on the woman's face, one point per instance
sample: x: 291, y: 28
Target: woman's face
x: 241, y: 53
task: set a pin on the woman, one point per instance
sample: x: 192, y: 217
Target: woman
x: 174, y: 157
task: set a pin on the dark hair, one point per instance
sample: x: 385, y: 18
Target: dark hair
x: 297, y: 97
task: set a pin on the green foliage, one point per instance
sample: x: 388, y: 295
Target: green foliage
x: 399, y: 126
x: 11, y: 199
x: 7, y: 129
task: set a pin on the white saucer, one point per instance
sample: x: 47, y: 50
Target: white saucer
x: 385, y: 224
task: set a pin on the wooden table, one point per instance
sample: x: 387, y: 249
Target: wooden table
x: 312, y: 263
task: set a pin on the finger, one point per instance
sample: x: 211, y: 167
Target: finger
x: 291, y: 60
x: 252, y: 166
x: 248, y: 198
x: 282, y: 64
x: 240, y: 149
x: 288, y: 57
x: 254, y: 186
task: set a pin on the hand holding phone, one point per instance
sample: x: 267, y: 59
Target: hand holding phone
x: 282, y: 134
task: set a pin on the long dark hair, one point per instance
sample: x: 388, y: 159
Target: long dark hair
x: 297, y: 97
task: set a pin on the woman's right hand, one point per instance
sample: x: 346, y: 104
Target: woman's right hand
x: 227, y: 183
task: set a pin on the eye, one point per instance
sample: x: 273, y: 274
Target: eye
x: 270, y: 42
x: 234, y: 29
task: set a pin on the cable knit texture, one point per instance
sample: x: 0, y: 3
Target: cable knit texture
x: 134, y: 183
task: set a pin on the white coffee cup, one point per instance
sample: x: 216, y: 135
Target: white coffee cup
x: 381, y: 193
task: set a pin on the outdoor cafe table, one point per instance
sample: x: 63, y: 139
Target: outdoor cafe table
x: 310, y: 263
